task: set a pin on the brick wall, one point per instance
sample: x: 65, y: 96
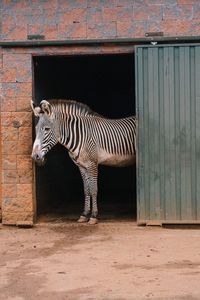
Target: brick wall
x: 16, y: 134
x: 86, y: 19
x: 57, y: 20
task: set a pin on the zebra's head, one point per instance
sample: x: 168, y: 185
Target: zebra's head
x: 45, y: 132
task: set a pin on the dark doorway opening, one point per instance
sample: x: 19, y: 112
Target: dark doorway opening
x: 107, y: 84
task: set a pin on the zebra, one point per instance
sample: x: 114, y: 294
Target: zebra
x: 90, y: 139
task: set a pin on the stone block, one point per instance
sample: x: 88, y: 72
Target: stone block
x: 9, y: 147
x: 23, y: 104
x: 9, y: 176
x: 12, y: 218
x: 102, y: 30
x: 9, y: 162
x: 9, y: 133
x: 8, y: 104
x: 9, y: 191
x: 74, y: 30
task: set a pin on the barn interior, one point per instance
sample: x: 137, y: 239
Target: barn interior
x: 106, y: 83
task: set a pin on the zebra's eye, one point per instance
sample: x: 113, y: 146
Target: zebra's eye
x: 46, y: 129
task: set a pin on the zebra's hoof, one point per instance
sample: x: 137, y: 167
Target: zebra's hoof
x: 82, y: 219
x: 93, y: 221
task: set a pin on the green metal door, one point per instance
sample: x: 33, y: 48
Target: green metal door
x: 168, y: 109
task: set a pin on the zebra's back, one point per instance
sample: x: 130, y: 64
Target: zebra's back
x: 115, y: 140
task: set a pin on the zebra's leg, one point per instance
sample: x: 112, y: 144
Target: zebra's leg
x: 93, y: 192
x: 86, y: 213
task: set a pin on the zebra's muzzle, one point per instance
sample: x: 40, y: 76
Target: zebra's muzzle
x: 40, y: 161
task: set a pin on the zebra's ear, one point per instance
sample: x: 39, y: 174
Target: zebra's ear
x: 45, y: 107
x: 36, y: 109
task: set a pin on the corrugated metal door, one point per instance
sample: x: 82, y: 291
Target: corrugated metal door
x: 168, y: 108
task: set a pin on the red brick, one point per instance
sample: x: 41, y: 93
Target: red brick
x: 11, y: 218
x: 70, y: 4
x: 9, y: 133
x: 24, y: 162
x: 74, y: 30
x: 94, y: 15
x: 177, y: 12
x: 102, y: 30
x: 196, y: 11
x: 9, y: 147
x: 17, y: 89
x: 77, y: 15
x: 24, y: 89
x: 7, y: 119
x: 49, y: 31
x: 24, y: 166
x: 125, y: 29
x: 100, y: 3
x: 23, y: 118
x: 24, y: 190
x: 186, y: 27
x: 187, y: 1
x: 9, y: 75
x: 25, y: 133
x: 23, y: 104
x: 25, y: 176
x: 9, y: 162
x: 117, y: 13
x: 16, y: 60
x: 24, y: 147
x: 146, y: 12
x: 16, y: 119
x: 8, y: 104
x: 9, y: 176
x: 9, y: 190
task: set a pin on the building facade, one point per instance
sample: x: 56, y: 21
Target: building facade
x: 31, y: 29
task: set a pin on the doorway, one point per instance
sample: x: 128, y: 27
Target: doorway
x: 106, y: 83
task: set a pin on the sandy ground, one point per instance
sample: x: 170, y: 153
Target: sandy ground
x: 109, y: 261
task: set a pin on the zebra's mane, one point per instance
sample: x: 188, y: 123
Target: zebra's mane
x: 77, y: 107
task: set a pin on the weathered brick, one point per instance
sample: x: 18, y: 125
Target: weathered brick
x: 16, y: 60
x: 74, y: 30
x: 23, y: 104
x: 9, y: 190
x: 94, y: 15
x: 101, y: 3
x: 24, y: 147
x: 9, y: 162
x: 117, y: 13
x: 22, y: 118
x: 9, y: 75
x: 147, y: 12
x: 70, y: 4
x: 196, y: 11
x: 49, y: 31
x: 187, y: 27
x: 8, y: 104
x: 125, y: 29
x: 11, y: 218
x: 25, y: 176
x: 9, y: 133
x: 24, y: 191
x: 102, y: 30
x: 9, y: 176
x: 71, y: 16
x: 17, y: 89
x: 15, y: 32
x: 25, y: 134
x: 9, y: 147
x: 177, y: 12
x: 24, y: 162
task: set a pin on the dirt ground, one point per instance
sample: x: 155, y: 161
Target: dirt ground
x: 109, y: 261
